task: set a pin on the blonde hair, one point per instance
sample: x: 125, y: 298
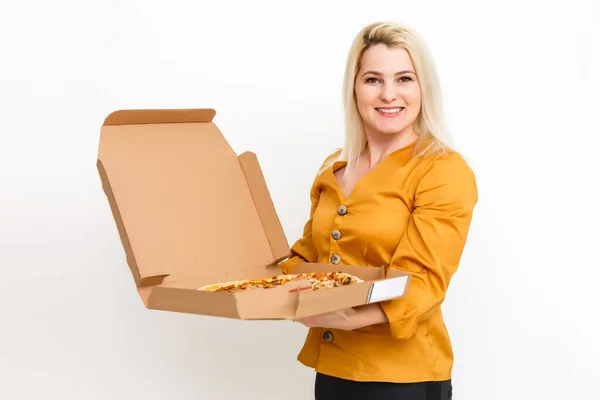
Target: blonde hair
x: 429, y: 125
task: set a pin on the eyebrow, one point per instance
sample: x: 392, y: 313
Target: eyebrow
x: 380, y: 74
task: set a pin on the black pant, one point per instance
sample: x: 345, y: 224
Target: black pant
x: 330, y: 388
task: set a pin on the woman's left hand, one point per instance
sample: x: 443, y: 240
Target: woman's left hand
x: 343, y: 319
x: 348, y: 319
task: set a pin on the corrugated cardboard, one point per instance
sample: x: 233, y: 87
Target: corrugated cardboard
x: 190, y: 212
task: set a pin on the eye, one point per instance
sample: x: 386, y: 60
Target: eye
x: 405, y: 79
x: 371, y: 80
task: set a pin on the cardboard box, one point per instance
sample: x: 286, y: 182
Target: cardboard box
x: 190, y: 212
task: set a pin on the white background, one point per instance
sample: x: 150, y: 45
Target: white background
x: 521, y: 87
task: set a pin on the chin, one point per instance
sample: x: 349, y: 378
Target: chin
x: 388, y: 130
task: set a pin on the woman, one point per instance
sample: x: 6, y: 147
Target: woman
x: 396, y: 195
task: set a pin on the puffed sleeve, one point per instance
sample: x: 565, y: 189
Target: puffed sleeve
x: 433, y: 242
x: 303, y: 248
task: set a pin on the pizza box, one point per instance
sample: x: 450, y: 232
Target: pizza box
x: 190, y: 212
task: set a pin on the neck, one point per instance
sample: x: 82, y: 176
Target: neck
x: 380, y: 146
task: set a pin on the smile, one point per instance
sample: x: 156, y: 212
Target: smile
x: 390, y: 111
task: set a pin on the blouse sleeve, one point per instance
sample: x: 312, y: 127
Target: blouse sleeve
x: 433, y: 242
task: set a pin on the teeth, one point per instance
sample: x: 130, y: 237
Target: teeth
x: 390, y: 110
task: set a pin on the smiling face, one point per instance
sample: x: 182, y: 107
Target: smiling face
x: 388, y: 94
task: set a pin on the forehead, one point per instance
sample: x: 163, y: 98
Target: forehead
x: 386, y: 59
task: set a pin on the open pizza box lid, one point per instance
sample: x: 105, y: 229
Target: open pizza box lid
x: 190, y: 212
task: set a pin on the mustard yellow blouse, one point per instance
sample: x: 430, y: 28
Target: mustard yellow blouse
x: 411, y: 213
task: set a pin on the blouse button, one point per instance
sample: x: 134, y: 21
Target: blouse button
x: 342, y: 210
x: 335, y: 258
x: 336, y: 234
x: 328, y: 336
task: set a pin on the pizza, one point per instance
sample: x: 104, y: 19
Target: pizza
x: 318, y: 281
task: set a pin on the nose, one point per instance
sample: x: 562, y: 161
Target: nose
x: 388, y: 93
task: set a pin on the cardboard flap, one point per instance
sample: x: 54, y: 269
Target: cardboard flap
x: 192, y: 301
x: 129, y: 117
x: 329, y: 300
x: 276, y: 303
x: 264, y: 206
x: 180, y: 197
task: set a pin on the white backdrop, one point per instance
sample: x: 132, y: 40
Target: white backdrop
x: 521, y: 89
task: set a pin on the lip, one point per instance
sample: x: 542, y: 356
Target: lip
x: 387, y: 115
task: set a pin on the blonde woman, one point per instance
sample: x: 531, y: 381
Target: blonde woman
x: 395, y: 195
